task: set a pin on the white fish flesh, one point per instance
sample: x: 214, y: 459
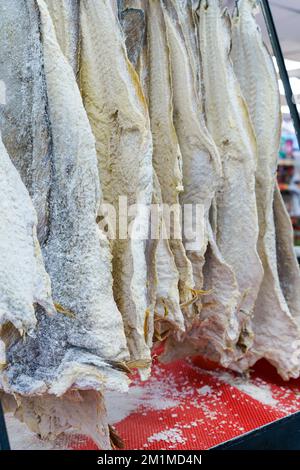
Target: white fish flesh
x: 164, y: 279
x: 275, y: 330
x: 118, y: 115
x: 229, y: 123
x: 214, y: 329
x: 167, y: 160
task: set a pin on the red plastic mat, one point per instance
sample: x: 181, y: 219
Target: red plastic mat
x: 193, y: 405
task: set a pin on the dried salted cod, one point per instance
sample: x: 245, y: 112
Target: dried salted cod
x: 167, y: 160
x: 23, y: 117
x: 168, y: 314
x: 288, y: 267
x: 23, y: 279
x: 81, y: 280
x: 65, y: 17
x: 185, y: 12
x: 118, y: 114
x: 163, y: 277
x: 216, y: 330
x: 229, y: 123
x: 77, y: 348
x: 274, y: 328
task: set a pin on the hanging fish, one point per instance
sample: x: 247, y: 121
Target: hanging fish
x: 229, y: 123
x: 215, y: 329
x: 255, y: 71
x: 118, y: 114
x: 70, y: 353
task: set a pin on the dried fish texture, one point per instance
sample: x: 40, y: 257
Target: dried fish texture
x: 274, y: 328
x: 163, y: 277
x: 48, y: 416
x: 119, y: 118
x: 184, y: 11
x: 76, y: 349
x: 168, y: 314
x: 23, y: 117
x: 193, y: 139
x: 65, y: 17
x: 288, y: 267
x: 23, y: 278
x: 230, y: 126
x: 132, y: 19
x: 167, y: 160
x: 81, y: 276
x: 215, y: 330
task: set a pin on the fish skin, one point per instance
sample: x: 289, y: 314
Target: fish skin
x: 70, y: 352
x: 139, y: 49
x: 118, y: 114
x: 274, y: 328
x: 214, y: 331
x: 230, y: 126
x: 65, y: 17
x: 23, y: 278
x: 134, y: 26
x: 23, y: 118
x: 194, y: 140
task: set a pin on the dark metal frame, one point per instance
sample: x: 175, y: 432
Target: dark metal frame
x: 281, y: 65
x: 283, y: 434
x: 4, y: 442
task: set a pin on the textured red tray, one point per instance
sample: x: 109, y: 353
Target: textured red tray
x: 194, y: 405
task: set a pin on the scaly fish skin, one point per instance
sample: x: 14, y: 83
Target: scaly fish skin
x: 133, y: 22
x: 137, y: 50
x: 24, y: 282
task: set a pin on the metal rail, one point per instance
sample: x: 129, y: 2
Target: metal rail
x: 281, y: 65
x: 4, y: 442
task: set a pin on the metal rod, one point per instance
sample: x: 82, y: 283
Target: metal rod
x: 4, y: 442
x: 281, y: 65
